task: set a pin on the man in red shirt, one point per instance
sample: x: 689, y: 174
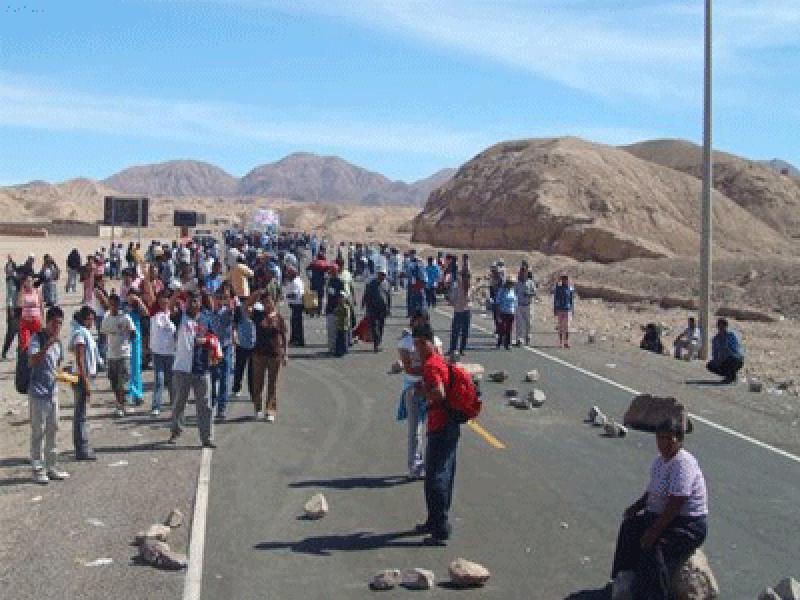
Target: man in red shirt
x: 443, y: 434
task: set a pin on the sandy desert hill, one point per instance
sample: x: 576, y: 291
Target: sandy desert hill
x: 758, y: 188
x: 591, y: 202
x: 174, y: 178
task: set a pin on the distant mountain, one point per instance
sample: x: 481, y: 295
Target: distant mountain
x: 781, y: 166
x: 766, y: 194
x: 310, y: 177
x: 174, y: 178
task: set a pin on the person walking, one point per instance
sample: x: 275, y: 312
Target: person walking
x: 119, y: 330
x: 44, y: 357
x: 412, y: 406
x: 137, y: 312
x: 335, y: 287
x: 162, y: 347
x: 222, y: 327
x: 244, y: 333
x: 459, y: 298
x: 433, y: 275
x: 563, y: 308
x: 49, y: 275
x: 269, y: 355
x: 191, y: 370
x: 82, y: 344
x: 377, y: 301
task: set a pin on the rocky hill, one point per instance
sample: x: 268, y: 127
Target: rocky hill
x: 783, y: 167
x: 759, y: 188
x: 588, y: 201
x: 174, y: 178
x: 313, y: 178
x: 79, y: 199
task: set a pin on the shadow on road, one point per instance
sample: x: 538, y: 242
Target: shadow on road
x: 598, y: 594
x: 705, y: 382
x: 324, y: 545
x: 349, y: 483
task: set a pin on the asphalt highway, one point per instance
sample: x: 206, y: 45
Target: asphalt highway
x: 541, y: 512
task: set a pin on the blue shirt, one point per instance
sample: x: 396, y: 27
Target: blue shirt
x: 726, y: 345
x: 434, y: 273
x: 213, y: 282
x: 564, y: 297
x: 245, y: 329
x: 222, y: 326
x: 507, y: 301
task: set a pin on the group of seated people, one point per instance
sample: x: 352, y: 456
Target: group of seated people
x: 727, y: 353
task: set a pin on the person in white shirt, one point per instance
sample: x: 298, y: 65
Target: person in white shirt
x: 293, y: 291
x: 83, y: 346
x: 118, y: 327
x: 162, y: 347
x: 688, y: 340
x: 667, y: 523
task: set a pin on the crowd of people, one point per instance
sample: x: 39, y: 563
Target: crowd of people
x: 206, y: 317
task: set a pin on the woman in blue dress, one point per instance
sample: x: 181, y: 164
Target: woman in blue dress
x: 137, y: 311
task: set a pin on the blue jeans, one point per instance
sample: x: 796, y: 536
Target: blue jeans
x: 220, y: 376
x: 440, y: 473
x: 459, y: 333
x: 162, y: 377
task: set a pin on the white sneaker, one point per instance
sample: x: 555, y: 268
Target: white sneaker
x: 57, y: 475
x: 269, y: 418
x: 259, y: 415
x: 39, y: 476
x: 118, y: 412
x: 155, y: 412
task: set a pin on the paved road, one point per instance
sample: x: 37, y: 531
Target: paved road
x: 336, y: 434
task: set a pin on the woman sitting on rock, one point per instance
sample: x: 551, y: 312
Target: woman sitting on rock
x: 667, y: 523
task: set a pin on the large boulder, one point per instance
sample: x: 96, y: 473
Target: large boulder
x: 588, y: 201
x: 160, y: 555
x: 647, y: 412
x: 465, y: 573
x: 693, y: 580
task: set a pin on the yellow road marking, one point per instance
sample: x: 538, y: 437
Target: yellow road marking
x: 488, y: 437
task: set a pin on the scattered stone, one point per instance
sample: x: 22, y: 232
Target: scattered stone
x: 564, y: 525
x: 615, y: 430
x: 593, y: 412
x: 159, y: 554
x: 175, y: 519
x: 95, y: 522
x: 99, y: 562
x: 532, y: 376
x: 386, y: 579
x: 600, y: 420
x: 520, y: 403
x: 464, y: 573
x: 36, y: 499
x: 536, y: 398
x: 418, y: 579
x: 498, y: 376
x: 694, y: 579
x: 788, y: 589
x: 647, y: 412
x: 756, y: 386
x: 396, y: 367
x: 316, y: 507
x: 156, y: 531
x: 769, y: 594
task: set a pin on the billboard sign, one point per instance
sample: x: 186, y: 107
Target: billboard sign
x: 126, y: 211
x: 184, y: 218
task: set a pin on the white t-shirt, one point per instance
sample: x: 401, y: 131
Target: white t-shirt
x: 293, y: 291
x: 162, y: 334
x: 680, y: 476
x: 118, y: 329
x: 184, y: 345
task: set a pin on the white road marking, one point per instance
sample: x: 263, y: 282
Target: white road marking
x: 625, y: 388
x: 193, y: 583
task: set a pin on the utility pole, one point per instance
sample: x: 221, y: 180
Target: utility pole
x: 708, y: 182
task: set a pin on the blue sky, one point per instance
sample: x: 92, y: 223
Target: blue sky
x: 404, y: 87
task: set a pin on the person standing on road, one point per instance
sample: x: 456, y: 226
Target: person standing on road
x: 525, y: 290
x: 73, y: 268
x: 506, y: 309
x: 119, y: 331
x: 222, y: 327
x: 83, y: 346
x: 44, y: 357
x: 191, y: 370
x: 334, y: 289
x: 245, y: 340
x: 459, y: 298
x: 162, y: 347
x: 137, y: 311
x: 668, y: 522
x: 443, y: 435
x: 293, y: 291
x: 563, y: 308
x: 29, y: 301
x: 378, y: 302
x: 433, y: 275
x: 13, y: 312
x: 412, y: 405
x: 269, y: 355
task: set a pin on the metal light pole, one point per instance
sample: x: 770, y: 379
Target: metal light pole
x: 705, y: 245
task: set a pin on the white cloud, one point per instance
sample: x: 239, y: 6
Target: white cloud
x: 647, y: 50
